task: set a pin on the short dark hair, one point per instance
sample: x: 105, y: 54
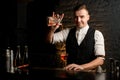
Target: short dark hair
x: 80, y: 6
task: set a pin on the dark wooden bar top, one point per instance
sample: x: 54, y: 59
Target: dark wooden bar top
x: 42, y: 73
x: 47, y: 73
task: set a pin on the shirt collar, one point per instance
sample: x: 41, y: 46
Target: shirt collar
x: 84, y: 29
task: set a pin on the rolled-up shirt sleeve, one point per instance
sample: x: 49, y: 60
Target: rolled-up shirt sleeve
x: 60, y: 36
x: 99, y: 44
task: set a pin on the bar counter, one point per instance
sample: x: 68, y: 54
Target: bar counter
x: 39, y: 73
x: 42, y: 73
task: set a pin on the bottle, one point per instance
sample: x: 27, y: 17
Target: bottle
x: 25, y: 61
x: 8, y: 60
x: 112, y: 65
x: 25, y: 56
x: 11, y: 61
x: 18, y: 57
x: 117, y: 69
x: 18, y: 61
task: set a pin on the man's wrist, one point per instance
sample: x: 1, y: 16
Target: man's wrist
x: 81, y: 67
x: 52, y: 29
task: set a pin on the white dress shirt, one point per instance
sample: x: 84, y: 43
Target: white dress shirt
x: 99, y: 39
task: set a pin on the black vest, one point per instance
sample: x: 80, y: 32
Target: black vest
x: 82, y: 53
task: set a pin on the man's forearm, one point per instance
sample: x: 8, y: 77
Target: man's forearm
x: 93, y: 64
x: 50, y: 35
